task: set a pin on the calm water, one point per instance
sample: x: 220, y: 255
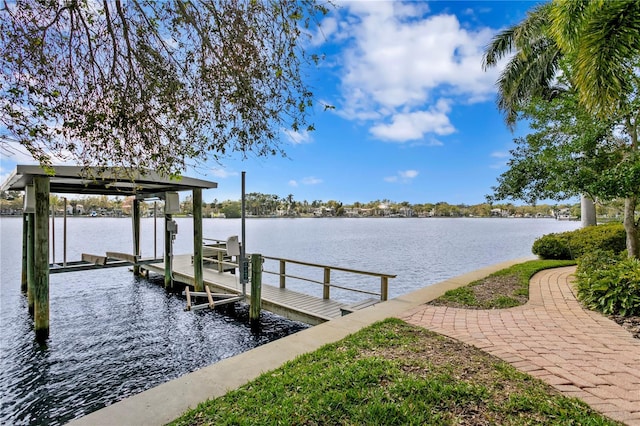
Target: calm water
x: 113, y: 335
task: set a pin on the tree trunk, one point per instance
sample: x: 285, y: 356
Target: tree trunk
x: 587, y: 211
x: 631, y: 202
x: 631, y: 227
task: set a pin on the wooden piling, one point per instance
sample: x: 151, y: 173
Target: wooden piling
x: 41, y: 258
x: 25, y: 237
x: 197, y: 239
x: 283, y: 273
x: 53, y: 231
x: 31, y: 231
x: 167, y: 253
x: 188, y: 294
x: 384, y: 288
x: 135, y: 215
x: 64, y: 234
x: 256, y: 290
x: 326, y: 289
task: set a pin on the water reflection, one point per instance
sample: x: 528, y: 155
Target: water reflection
x: 112, y: 336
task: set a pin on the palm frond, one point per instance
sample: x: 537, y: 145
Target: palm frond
x: 609, y: 50
x: 501, y: 45
x: 567, y: 18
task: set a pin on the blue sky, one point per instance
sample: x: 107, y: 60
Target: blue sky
x: 415, y: 117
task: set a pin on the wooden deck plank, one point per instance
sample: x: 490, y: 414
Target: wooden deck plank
x: 94, y: 258
x: 286, y: 299
x: 122, y: 256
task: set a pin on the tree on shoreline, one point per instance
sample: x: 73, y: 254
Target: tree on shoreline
x: 154, y: 85
x: 578, y: 44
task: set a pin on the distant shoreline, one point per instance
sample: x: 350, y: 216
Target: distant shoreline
x: 18, y: 215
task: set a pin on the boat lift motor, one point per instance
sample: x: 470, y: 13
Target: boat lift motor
x: 172, y: 229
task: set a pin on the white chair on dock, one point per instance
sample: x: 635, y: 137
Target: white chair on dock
x: 233, y: 246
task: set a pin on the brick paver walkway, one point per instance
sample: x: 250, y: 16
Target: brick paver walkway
x: 579, y: 352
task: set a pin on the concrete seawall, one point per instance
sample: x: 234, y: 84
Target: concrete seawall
x: 166, y: 402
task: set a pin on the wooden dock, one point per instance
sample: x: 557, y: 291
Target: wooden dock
x: 281, y: 301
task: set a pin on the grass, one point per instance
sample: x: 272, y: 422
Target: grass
x: 503, y: 289
x: 392, y: 373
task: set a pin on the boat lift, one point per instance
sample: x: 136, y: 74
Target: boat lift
x: 38, y: 183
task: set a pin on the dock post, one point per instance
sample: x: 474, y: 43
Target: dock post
x: 283, y: 273
x: 64, y: 234
x: 327, y: 283
x: 197, y: 239
x: 31, y: 231
x: 155, y: 230
x: 256, y: 290
x: 135, y: 215
x: 167, y: 253
x: 25, y: 239
x: 41, y: 258
x: 384, y: 288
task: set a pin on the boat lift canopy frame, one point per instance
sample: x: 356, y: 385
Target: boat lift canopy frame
x: 142, y: 184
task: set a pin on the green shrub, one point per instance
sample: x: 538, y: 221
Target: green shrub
x: 610, y: 237
x: 574, y: 244
x: 609, y: 284
x: 552, y: 246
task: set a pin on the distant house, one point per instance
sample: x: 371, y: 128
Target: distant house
x: 383, y: 210
x: 324, y: 211
x: 79, y: 209
x: 502, y: 213
x: 352, y: 212
x: 406, y: 212
x: 564, y: 214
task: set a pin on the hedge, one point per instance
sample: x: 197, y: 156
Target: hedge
x: 574, y: 244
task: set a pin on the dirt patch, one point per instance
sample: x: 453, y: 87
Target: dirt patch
x: 490, y: 293
x: 432, y: 355
x: 631, y: 324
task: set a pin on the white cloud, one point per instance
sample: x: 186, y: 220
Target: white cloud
x: 403, y: 176
x: 408, y: 174
x: 415, y: 125
x: 327, y: 28
x: 311, y: 180
x: 223, y: 173
x: 297, y: 138
x: 500, y: 154
x: 399, y: 60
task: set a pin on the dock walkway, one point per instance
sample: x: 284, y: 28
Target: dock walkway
x: 281, y: 301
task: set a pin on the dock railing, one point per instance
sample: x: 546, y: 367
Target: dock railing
x: 326, y: 282
x: 215, y: 253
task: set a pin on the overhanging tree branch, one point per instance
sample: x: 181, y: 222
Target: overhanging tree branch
x: 182, y: 81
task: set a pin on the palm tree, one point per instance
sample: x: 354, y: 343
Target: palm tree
x: 604, y: 38
x: 600, y: 41
x: 530, y: 73
x: 532, y: 70
x: 606, y: 47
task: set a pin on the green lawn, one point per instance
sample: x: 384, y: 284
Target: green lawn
x: 392, y: 373
x: 503, y: 289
